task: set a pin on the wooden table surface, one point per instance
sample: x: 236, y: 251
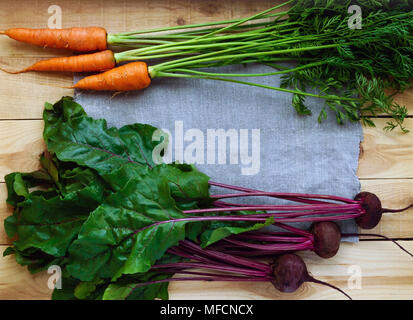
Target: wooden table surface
x: 385, y: 166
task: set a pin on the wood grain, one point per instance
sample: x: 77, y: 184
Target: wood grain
x: 386, y: 162
x: 20, y: 145
x: 386, y: 274
x: 386, y: 154
x: 17, y: 283
x: 5, y: 211
x: 383, y: 154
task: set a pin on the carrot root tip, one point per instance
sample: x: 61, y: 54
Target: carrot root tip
x: 13, y: 72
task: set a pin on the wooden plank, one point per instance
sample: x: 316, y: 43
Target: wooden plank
x: 23, y: 96
x: 406, y: 99
x: 20, y: 146
x: 386, y: 154
x: 383, y: 155
x: 16, y: 283
x: 386, y: 274
x: 5, y: 211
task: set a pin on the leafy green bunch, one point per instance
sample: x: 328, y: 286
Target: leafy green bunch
x: 372, y: 63
x: 102, y: 210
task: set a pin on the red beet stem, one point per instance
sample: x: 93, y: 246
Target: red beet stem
x: 349, y: 207
x: 319, y: 219
x: 282, y: 194
x: 311, y: 279
x: 251, y: 217
x: 216, y: 267
x: 294, y: 229
x: 220, y: 256
x: 377, y: 236
x: 275, y: 247
x: 384, y: 210
x: 217, y: 276
x: 330, y: 209
x: 287, y: 196
x: 270, y: 238
x: 311, y: 213
x: 189, y: 255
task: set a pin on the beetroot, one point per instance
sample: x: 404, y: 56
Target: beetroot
x: 373, y: 210
x: 290, y: 272
x: 327, y: 238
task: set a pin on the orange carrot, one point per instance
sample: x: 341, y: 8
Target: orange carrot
x: 98, y: 61
x: 131, y: 76
x: 76, y: 39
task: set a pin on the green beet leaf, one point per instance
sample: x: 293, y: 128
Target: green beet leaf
x: 74, y: 137
x: 188, y: 186
x: 130, y: 231
x: 131, y: 289
x: 83, y: 290
x: 18, y: 184
x: 218, y: 230
x: 33, y: 258
x: 50, y: 221
x: 118, y: 155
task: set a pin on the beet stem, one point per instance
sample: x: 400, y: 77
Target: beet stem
x: 270, y: 238
x: 284, y: 195
x: 287, y: 227
x: 251, y: 217
x: 307, y: 245
x: 311, y: 279
x: 217, y: 267
x: 310, y: 207
x: 217, y: 276
x: 384, y: 210
x: 378, y: 236
x: 223, y: 257
x: 319, y: 219
x: 192, y: 256
x: 304, y: 212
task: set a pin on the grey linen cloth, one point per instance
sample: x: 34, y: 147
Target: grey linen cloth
x: 242, y: 135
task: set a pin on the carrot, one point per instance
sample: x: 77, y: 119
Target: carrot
x: 131, y: 76
x: 76, y: 39
x: 98, y: 61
